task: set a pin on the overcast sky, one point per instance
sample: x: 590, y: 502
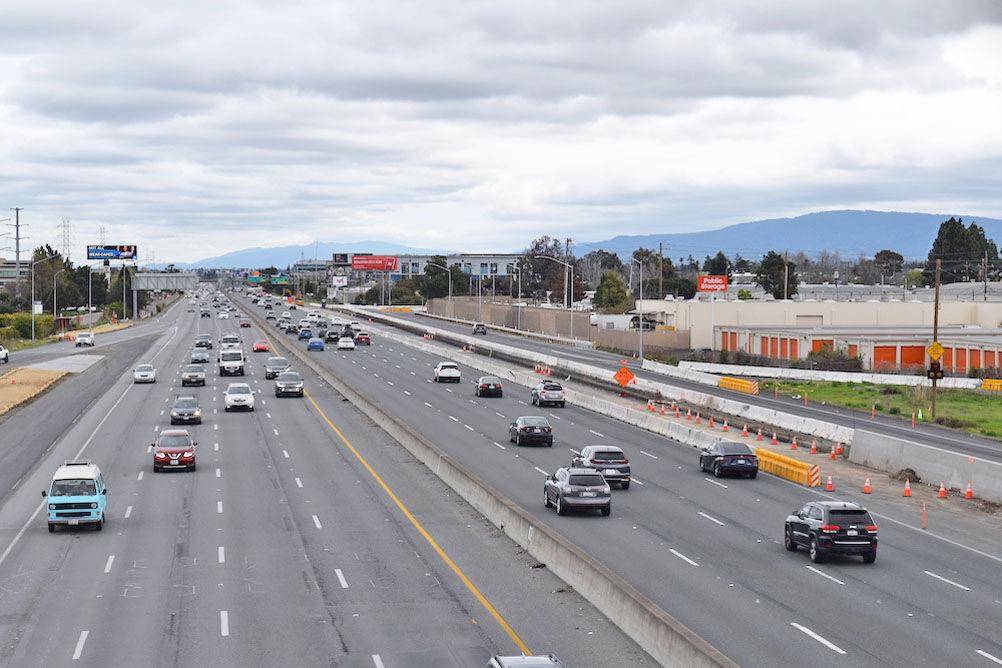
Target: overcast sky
x: 197, y: 128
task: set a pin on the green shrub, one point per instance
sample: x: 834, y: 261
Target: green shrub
x: 894, y: 410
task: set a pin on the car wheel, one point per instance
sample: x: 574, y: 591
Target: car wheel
x: 546, y: 499
x: 156, y: 469
x: 607, y: 511
x: 550, y: 444
x: 511, y: 439
x: 52, y: 527
x: 716, y: 470
x: 816, y: 555
x: 563, y: 404
x: 561, y: 510
x: 753, y: 475
x: 194, y: 467
x: 788, y: 542
x: 624, y: 485
x: 869, y: 557
x: 226, y: 409
x: 533, y: 401
x: 99, y: 525
x: 500, y: 395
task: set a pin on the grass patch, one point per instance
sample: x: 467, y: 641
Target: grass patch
x: 971, y: 411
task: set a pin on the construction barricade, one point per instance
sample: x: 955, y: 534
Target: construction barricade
x: 738, y: 384
x: 789, y: 468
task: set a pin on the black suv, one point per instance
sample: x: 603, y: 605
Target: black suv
x: 832, y: 527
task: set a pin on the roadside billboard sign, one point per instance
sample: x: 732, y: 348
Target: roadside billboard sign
x: 341, y: 260
x: 711, y: 284
x: 374, y: 262
x: 124, y: 252
x: 339, y: 281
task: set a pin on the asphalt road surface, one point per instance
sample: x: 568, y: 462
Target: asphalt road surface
x: 281, y: 549
x: 709, y: 551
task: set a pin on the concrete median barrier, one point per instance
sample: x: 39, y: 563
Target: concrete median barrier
x: 666, y: 639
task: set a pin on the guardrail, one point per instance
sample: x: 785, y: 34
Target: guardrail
x: 789, y: 468
x: 739, y: 385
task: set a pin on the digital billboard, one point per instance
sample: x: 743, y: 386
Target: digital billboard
x: 374, y: 262
x: 341, y: 260
x: 112, y: 252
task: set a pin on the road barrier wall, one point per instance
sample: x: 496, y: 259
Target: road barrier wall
x: 662, y: 636
x: 511, y: 330
x: 739, y: 385
x: 823, y: 376
x: 789, y: 468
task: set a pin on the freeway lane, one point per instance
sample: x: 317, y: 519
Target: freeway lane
x: 746, y: 594
x: 278, y: 550
x: 929, y: 434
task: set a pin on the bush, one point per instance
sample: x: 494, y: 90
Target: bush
x: 723, y: 357
x: 745, y: 295
x: 894, y: 410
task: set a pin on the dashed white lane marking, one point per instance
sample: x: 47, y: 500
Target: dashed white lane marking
x: 107, y: 564
x: 407, y: 393
x: 500, y: 415
x: 161, y: 412
x: 276, y: 431
x: 219, y: 506
x: 377, y: 662
x: 316, y: 521
x: 390, y: 383
x: 149, y: 449
x: 576, y: 452
x: 299, y: 483
x: 428, y: 405
x: 712, y: 519
x: 596, y: 433
x: 215, y: 446
x: 950, y: 582
x: 224, y: 623
x: 682, y: 557
x: 540, y: 470
x: 78, y: 650
x: 215, y: 427
x: 221, y: 554
x: 827, y: 643
x: 453, y: 419
x: 140, y: 477
x: 636, y: 481
x: 468, y: 427
x: 472, y: 402
x: 219, y: 473
x: 128, y: 511
x: 285, y: 453
x: 990, y: 657
x: 376, y: 375
x: 412, y: 373
x: 825, y: 575
x: 499, y: 445
x: 156, y: 428
x: 268, y: 415
x: 648, y: 454
x: 340, y: 578
x: 448, y: 390
x: 714, y: 482
x: 264, y: 403
x: 522, y: 402
x: 555, y: 417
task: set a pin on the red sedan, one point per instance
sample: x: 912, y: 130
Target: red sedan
x: 174, y: 449
x: 245, y: 323
x: 261, y: 346
x: 363, y: 339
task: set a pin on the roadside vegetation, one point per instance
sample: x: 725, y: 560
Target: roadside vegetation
x: 971, y: 411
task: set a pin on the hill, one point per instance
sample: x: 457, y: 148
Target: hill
x: 283, y: 256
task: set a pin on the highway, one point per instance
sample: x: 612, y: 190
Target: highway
x: 709, y: 551
x: 283, y: 548
x: 930, y: 434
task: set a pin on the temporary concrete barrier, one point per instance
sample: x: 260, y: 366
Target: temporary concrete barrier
x: 789, y: 468
x: 739, y: 385
x: 932, y: 464
x: 511, y: 330
x: 662, y: 636
x: 684, y: 373
x: 815, y: 375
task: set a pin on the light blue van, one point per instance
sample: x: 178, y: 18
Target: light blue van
x: 77, y: 495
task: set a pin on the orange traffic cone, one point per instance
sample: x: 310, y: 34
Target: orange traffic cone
x: 814, y: 446
x: 759, y: 437
x: 744, y: 431
x: 942, y: 491
x: 866, y: 487
x: 650, y: 405
x: 908, y: 488
x: 969, y: 494
x: 678, y: 413
x: 698, y: 421
x: 831, y: 454
x: 793, y: 443
x: 725, y: 427
x: 711, y: 422
x: 688, y: 414
x: 838, y: 448
x: 662, y: 411
x: 774, y: 440
x: 829, y: 487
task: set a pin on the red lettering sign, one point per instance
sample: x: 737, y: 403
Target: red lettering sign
x: 711, y: 283
x: 374, y: 262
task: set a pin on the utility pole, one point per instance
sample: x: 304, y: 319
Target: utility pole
x: 786, y: 278
x: 17, y: 250
x: 935, y: 335
x: 661, y: 270
x: 569, y: 289
x: 985, y: 266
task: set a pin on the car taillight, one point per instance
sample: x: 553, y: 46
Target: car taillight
x: 829, y: 528
x: 872, y: 528
x: 547, y: 429
x: 526, y: 429
x: 483, y: 386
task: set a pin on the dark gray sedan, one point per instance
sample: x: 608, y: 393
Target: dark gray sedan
x: 275, y: 366
x: 577, y: 489
x: 529, y: 430
x: 728, y: 457
x: 609, y: 460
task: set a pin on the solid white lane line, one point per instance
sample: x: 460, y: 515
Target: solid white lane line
x: 597, y: 433
x: 140, y: 477
x: 427, y: 404
x: 128, y: 511
x: 219, y: 506
x: 500, y: 415
x: 285, y: 453
x: 825, y: 575
x: 453, y: 419
x: 215, y: 446
x: 712, y: 519
x: 990, y: 657
x: 714, y: 482
x: 219, y: 473
x: 830, y: 645
x: 540, y: 470
x: 648, y: 454
x: 316, y: 521
x: 499, y: 445
x: 682, y: 557
x: 340, y: 578
x: 224, y: 623
x: 78, y: 650
x: 299, y: 483
x: 377, y: 662
x: 940, y: 577
x: 107, y: 564
x: 221, y: 554
x: 468, y: 427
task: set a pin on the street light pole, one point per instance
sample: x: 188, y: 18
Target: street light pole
x: 641, y: 316
x: 448, y: 273
x: 55, y: 311
x: 568, y: 267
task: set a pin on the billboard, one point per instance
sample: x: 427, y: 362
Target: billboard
x: 280, y: 279
x: 711, y: 283
x: 374, y: 262
x: 112, y: 253
x: 341, y: 260
x: 339, y: 281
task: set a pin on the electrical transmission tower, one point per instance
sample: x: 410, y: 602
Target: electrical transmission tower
x: 65, y: 238
x: 17, y: 225
x: 102, y: 235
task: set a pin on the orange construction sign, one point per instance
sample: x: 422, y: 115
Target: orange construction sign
x: 624, y: 376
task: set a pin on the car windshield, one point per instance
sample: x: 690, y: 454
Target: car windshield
x: 734, y: 449
x: 231, y: 356
x: 191, y: 368
x: 173, y: 441
x: 552, y: 387
x: 290, y: 377
x: 587, y: 480
x: 73, y: 488
x: 185, y: 403
x: 850, y: 516
x: 144, y: 368
x: 200, y: 356
x: 203, y: 337
x: 608, y: 455
x: 534, y: 422
x: 448, y: 365
x: 239, y: 389
x: 278, y: 362
x: 493, y: 380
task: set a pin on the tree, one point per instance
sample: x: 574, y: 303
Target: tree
x: 718, y: 265
x: 538, y: 273
x: 592, y: 266
x: 435, y: 282
x: 962, y: 251
x: 771, y: 272
x: 741, y: 264
x: 611, y: 291
x: 890, y: 263
x: 913, y: 278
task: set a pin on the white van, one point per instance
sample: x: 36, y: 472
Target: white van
x: 231, y: 362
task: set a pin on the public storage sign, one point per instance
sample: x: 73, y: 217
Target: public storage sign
x: 374, y: 262
x: 711, y: 283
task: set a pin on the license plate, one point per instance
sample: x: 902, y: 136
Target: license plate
x: 851, y: 532
x: 174, y: 462
x: 741, y: 461
x: 537, y: 430
x: 73, y: 523
x: 610, y: 472
x: 587, y: 493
